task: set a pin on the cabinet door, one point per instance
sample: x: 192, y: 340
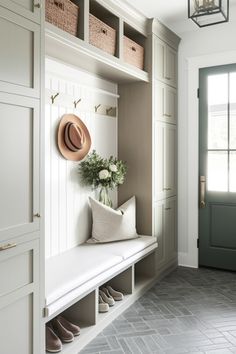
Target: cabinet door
x: 30, y: 9
x: 19, y: 161
x: 171, y: 66
x: 159, y: 223
x: 159, y: 59
x: 170, y: 230
x: 19, y: 299
x: 165, y: 103
x: 164, y: 160
x: 170, y: 160
x: 20, y: 55
x: 165, y: 62
x: 165, y: 231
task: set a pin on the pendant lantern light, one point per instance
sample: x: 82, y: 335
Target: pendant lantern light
x: 208, y: 12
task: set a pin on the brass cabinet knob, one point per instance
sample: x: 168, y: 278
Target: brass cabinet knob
x: 38, y: 5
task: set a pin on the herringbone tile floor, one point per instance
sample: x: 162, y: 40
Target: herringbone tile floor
x: 190, y: 311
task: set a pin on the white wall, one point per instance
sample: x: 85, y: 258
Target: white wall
x: 209, y: 46
x: 67, y: 216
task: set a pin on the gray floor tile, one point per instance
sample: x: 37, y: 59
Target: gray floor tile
x: 189, y: 311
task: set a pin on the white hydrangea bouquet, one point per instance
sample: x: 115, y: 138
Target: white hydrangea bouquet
x: 102, y: 173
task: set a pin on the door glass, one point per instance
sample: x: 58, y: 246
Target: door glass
x: 217, y: 171
x: 218, y: 112
x: 232, y: 171
x: 233, y: 111
x: 221, y: 161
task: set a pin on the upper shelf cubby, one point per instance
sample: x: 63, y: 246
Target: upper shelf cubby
x: 103, y: 29
x: 103, y: 43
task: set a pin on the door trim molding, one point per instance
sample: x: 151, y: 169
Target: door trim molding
x: 189, y: 258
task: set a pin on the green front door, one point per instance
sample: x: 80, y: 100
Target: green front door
x: 217, y: 167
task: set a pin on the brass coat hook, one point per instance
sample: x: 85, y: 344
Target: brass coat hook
x: 53, y: 97
x: 77, y: 102
x: 108, y: 110
x: 97, y: 107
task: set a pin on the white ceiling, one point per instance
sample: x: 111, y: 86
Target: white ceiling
x: 173, y: 13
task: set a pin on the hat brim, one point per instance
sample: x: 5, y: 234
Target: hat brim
x: 67, y: 153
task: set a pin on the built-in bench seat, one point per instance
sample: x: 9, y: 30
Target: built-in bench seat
x: 75, y: 272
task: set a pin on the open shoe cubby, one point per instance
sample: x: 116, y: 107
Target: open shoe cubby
x: 144, y: 271
x: 108, y: 18
x: 132, y: 282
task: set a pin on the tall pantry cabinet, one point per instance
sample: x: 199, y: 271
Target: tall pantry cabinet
x: 165, y: 44
x: 148, y: 142
x: 20, y: 202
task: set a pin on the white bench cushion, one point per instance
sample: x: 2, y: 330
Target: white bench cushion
x: 128, y: 248
x: 77, y: 266
x: 73, y: 268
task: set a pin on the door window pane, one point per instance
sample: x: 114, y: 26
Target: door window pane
x: 233, y: 111
x: 218, y: 90
x: 217, y: 171
x: 217, y: 130
x: 218, y: 111
x: 232, y: 172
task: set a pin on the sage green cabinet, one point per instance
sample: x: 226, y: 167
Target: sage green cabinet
x: 30, y: 9
x: 165, y: 103
x: 165, y: 232
x: 165, y: 160
x: 165, y: 62
x: 19, y: 297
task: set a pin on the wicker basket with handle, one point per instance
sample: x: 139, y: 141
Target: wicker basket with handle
x: 101, y: 35
x: 133, y: 53
x: 63, y: 14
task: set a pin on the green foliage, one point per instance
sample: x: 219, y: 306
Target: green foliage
x: 98, y: 172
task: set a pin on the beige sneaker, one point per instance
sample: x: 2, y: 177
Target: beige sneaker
x: 53, y: 343
x: 107, y: 297
x: 117, y: 295
x: 102, y: 305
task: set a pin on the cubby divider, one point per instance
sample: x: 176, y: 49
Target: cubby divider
x: 84, y: 311
x: 144, y: 271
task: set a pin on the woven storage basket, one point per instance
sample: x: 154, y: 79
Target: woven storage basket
x: 63, y: 14
x: 133, y: 53
x: 101, y: 35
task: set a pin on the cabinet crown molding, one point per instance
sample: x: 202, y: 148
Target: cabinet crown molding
x: 157, y: 28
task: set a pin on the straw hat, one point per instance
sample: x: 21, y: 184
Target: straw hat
x: 74, y: 140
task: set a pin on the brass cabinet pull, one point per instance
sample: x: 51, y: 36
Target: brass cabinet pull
x: 38, y: 5
x: 167, y: 115
x: 167, y: 78
x: 7, y: 246
x: 166, y: 189
x: 167, y: 208
x: 37, y: 215
x: 202, y: 191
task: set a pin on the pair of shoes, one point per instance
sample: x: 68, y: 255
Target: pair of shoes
x: 53, y: 343
x: 60, y: 330
x: 117, y: 295
x: 107, y: 298
x: 102, y: 305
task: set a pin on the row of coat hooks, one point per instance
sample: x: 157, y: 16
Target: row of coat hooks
x: 109, y: 111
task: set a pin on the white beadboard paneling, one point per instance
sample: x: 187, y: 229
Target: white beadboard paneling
x: 68, y: 218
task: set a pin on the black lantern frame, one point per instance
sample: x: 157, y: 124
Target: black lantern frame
x: 208, y: 12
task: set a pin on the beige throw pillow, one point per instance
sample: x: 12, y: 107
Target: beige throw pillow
x: 113, y: 225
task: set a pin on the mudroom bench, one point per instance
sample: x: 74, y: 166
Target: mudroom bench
x: 73, y: 279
